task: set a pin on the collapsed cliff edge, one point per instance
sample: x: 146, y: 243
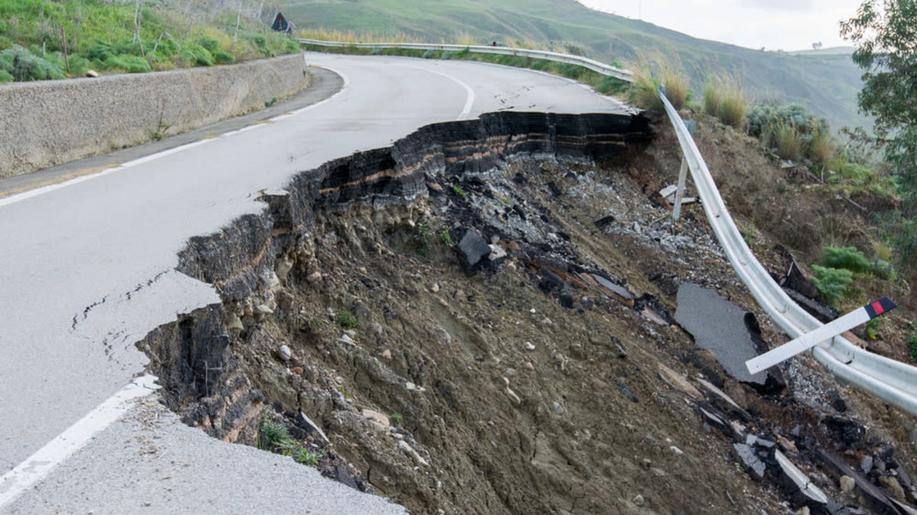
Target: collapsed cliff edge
x: 480, y: 319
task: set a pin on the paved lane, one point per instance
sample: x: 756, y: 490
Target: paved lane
x: 87, y: 269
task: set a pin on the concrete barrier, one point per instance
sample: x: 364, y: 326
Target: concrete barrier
x: 52, y: 122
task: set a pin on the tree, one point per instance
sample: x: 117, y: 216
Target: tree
x: 886, y: 39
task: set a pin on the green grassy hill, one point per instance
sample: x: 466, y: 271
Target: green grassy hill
x: 56, y: 39
x: 827, y: 83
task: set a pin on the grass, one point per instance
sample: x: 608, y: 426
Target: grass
x: 458, y: 190
x: 396, y: 418
x: 49, y: 39
x: 445, y: 237
x: 786, y: 141
x: 275, y: 437
x: 347, y: 320
x: 652, y: 72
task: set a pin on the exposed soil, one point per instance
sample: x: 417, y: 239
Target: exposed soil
x: 481, y: 321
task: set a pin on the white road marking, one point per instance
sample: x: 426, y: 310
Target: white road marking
x: 40, y: 464
x: 469, y: 91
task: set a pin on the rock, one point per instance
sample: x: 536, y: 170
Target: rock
x: 234, y: 323
x: 750, y: 460
x: 627, y: 392
x: 346, y: 339
x: 264, y: 309
x: 379, y: 420
x: 387, y: 354
x: 866, y: 464
x: 676, y: 451
x: 529, y: 346
x: 894, y: 487
x: 92, y: 74
x: 679, y: 382
x: 473, y: 247
x: 285, y: 353
x: 435, y: 288
x: 297, y: 370
x: 786, y: 445
x: 404, y: 446
x: 847, y: 484
x: 314, y: 277
x: 496, y: 252
x: 284, y: 265
x: 639, y: 500
x: 512, y: 395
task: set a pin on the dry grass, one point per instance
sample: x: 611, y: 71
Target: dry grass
x: 821, y: 149
x: 354, y: 37
x: 787, y: 142
x: 725, y: 99
x: 651, y: 73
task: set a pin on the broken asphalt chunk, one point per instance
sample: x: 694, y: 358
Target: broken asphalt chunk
x: 756, y: 468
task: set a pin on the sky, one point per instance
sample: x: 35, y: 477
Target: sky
x: 773, y: 24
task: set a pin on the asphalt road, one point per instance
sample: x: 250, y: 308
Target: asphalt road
x: 86, y: 269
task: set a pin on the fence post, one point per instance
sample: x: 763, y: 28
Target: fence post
x: 680, y: 192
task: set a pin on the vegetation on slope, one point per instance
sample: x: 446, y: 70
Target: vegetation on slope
x: 825, y: 83
x: 47, y: 39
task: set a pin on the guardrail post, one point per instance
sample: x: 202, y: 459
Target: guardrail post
x: 680, y: 192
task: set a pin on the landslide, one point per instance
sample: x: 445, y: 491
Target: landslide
x: 480, y: 319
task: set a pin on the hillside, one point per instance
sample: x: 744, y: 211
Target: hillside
x: 49, y: 39
x: 827, y: 84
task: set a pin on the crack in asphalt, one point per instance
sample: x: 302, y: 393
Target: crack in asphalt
x: 80, y: 317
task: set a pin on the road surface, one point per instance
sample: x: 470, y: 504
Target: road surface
x: 87, y: 269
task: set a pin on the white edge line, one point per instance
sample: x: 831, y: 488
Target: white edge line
x: 15, y: 482
x: 19, y: 197
x: 469, y: 92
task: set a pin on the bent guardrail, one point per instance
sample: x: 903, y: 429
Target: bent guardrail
x: 890, y: 380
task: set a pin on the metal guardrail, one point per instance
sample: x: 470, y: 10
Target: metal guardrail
x: 890, y: 380
x: 591, y: 64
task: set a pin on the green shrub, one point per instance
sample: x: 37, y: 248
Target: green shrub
x: 273, y: 436
x: 792, y: 131
x: 347, y: 320
x: 5, y: 76
x: 833, y: 284
x: 197, y: 54
x: 396, y: 419
x: 847, y: 258
x: 913, y: 348
x: 23, y: 65
x: 223, y: 57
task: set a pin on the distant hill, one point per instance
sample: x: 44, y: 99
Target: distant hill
x: 825, y: 82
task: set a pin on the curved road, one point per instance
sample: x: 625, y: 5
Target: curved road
x: 86, y: 269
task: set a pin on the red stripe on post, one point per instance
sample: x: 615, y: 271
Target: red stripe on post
x: 878, y: 308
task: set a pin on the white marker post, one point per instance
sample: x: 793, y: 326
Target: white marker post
x: 680, y: 192
x: 823, y: 333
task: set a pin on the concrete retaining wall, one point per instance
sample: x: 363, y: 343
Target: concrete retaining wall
x: 51, y: 122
